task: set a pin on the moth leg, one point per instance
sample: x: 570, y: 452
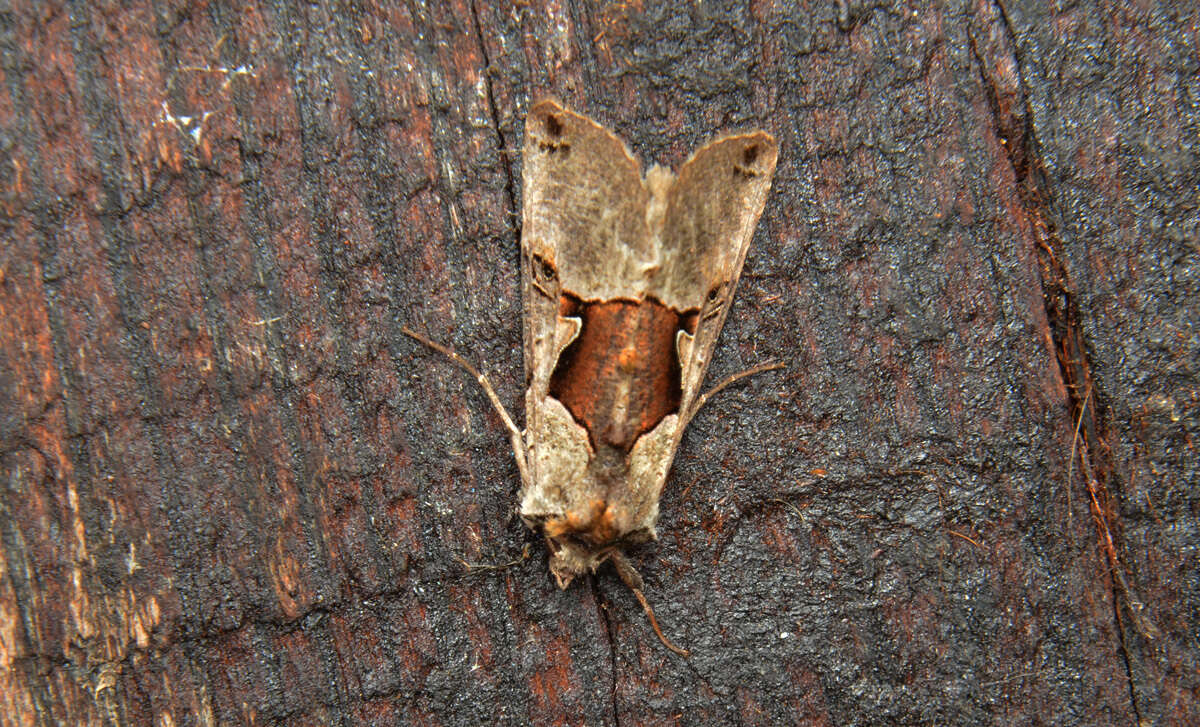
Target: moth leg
x: 732, y: 379
x: 633, y: 581
x: 514, y: 434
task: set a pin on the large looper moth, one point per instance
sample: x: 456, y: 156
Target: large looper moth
x: 627, y: 280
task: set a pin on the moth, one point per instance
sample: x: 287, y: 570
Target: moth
x: 626, y: 284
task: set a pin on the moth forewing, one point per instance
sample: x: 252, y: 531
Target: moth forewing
x: 714, y: 206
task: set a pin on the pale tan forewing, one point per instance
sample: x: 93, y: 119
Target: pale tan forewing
x: 712, y: 209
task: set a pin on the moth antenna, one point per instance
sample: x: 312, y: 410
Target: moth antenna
x: 495, y: 566
x: 633, y: 581
x: 732, y: 379
x: 514, y: 434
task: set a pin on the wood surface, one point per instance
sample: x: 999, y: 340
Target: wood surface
x: 235, y: 493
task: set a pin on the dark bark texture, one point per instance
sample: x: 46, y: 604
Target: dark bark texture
x: 234, y: 493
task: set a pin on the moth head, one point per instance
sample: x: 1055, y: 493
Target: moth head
x: 581, y: 540
x: 569, y: 558
x: 564, y: 568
